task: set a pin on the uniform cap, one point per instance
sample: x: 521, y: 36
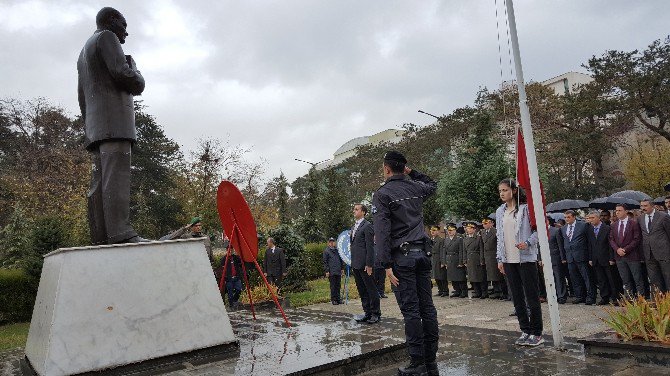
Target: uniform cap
x: 486, y: 220
x: 195, y: 220
x: 469, y: 224
x: 451, y: 226
x: 331, y: 239
x: 395, y: 156
x: 434, y: 227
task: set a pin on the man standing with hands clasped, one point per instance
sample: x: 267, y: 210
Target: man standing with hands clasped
x: 362, y: 261
x: 397, y: 207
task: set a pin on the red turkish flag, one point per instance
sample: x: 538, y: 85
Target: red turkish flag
x: 523, y: 179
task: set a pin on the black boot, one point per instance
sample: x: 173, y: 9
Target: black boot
x: 431, y: 368
x: 414, y: 368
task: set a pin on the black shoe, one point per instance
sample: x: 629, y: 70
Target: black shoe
x: 476, y: 296
x: 455, y: 294
x: 361, y: 318
x: 373, y: 319
x: 414, y: 368
x: 463, y: 295
x: 589, y: 302
x: 494, y: 296
x: 513, y: 314
x: 335, y: 302
x: 383, y: 296
x: 561, y: 301
x: 604, y: 302
x: 438, y: 294
x: 431, y: 367
x: 484, y: 297
x: 578, y: 301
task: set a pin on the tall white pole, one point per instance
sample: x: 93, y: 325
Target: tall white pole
x: 535, y: 183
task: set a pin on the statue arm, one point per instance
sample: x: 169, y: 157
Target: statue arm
x: 112, y: 55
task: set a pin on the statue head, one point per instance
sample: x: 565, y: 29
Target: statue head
x: 112, y: 20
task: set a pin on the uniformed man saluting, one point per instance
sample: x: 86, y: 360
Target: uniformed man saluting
x: 401, y: 242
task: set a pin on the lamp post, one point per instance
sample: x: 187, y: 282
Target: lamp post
x: 429, y: 114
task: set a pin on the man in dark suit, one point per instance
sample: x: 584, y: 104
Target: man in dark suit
x: 575, y: 253
x: 655, y: 227
x: 274, y: 263
x: 601, y: 256
x: 555, y: 246
x: 362, y: 262
x: 108, y: 79
x: 333, y: 265
x: 625, y: 239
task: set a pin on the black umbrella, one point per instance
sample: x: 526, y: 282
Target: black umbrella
x: 563, y: 205
x: 659, y: 200
x: 633, y: 195
x: 610, y: 203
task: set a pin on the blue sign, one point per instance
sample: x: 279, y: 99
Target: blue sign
x: 343, y: 242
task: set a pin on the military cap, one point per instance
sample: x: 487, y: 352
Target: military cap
x: 195, y: 220
x: 469, y: 224
x: 434, y: 227
x: 395, y: 156
x: 451, y: 226
x: 331, y: 239
x: 486, y: 220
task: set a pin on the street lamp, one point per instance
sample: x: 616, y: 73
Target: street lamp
x: 311, y: 163
x: 426, y: 113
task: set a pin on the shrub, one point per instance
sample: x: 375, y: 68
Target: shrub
x: 259, y: 293
x: 17, y: 295
x: 314, y: 260
x: 285, y: 237
x: 642, y: 319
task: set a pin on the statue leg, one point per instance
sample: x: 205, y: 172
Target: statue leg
x: 115, y: 180
x: 96, y: 216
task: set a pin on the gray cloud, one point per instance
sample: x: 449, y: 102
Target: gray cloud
x: 300, y: 78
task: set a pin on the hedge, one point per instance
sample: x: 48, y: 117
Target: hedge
x: 314, y: 260
x: 17, y: 295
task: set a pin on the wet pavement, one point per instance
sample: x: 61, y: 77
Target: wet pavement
x: 320, y: 337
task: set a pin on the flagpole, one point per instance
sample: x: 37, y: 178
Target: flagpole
x: 535, y: 183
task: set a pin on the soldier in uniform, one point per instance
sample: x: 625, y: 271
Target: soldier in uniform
x: 472, y: 248
x: 489, y: 248
x: 439, y: 272
x: 403, y: 248
x: 333, y: 265
x: 453, y: 261
x: 192, y: 230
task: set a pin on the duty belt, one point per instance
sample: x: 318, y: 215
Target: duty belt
x: 407, y: 247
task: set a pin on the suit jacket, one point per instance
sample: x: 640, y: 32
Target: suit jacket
x: 555, y: 245
x: 106, y: 87
x: 577, y: 249
x: 363, y: 246
x: 600, y: 252
x: 274, y: 263
x: 630, y: 241
x: 332, y: 263
x: 656, y: 242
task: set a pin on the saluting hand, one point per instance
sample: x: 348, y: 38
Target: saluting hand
x: 394, y: 280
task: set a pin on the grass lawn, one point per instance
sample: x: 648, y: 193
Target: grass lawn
x: 319, y: 292
x: 13, y: 335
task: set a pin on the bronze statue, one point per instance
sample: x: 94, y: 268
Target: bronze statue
x: 108, y: 79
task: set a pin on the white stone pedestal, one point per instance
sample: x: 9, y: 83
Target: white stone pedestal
x: 108, y: 306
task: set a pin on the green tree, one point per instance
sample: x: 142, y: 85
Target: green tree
x: 157, y: 159
x: 294, y: 247
x: 334, y: 208
x: 469, y: 190
x: 282, y: 199
x: 639, y: 83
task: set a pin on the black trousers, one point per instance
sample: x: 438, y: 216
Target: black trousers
x: 523, y: 284
x: 605, y: 282
x: 632, y: 275
x: 367, y: 290
x: 413, y: 294
x: 581, y: 279
x: 109, y: 193
x: 335, y: 281
x: 559, y: 280
x: 274, y: 279
x: 442, y: 286
x: 659, y: 273
x: 380, y: 279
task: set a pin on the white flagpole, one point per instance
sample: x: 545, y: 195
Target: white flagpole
x: 535, y: 183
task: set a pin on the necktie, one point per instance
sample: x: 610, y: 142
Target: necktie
x: 621, y: 231
x: 570, y: 232
x: 353, y: 231
x: 595, y: 231
x: 648, y: 222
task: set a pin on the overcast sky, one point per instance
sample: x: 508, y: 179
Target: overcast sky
x: 297, y: 79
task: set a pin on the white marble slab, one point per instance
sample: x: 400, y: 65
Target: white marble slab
x: 102, y: 307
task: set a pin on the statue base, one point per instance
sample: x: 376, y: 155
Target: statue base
x: 109, y: 306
